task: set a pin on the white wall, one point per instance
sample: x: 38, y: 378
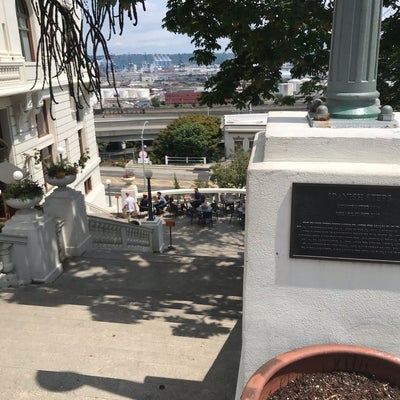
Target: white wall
x: 291, y: 303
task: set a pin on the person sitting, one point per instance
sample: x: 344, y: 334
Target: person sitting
x: 144, y: 203
x: 160, y: 204
x: 198, y: 198
x: 173, y: 206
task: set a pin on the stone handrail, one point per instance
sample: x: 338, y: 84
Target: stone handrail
x: 8, y: 276
x: 217, y: 191
x: 95, y: 209
x: 110, y: 234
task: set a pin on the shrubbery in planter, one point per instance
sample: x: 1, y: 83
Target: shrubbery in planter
x: 62, y: 167
x: 24, y: 189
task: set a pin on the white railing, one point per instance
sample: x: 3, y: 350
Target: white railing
x: 10, y: 72
x: 109, y: 234
x: 185, y: 160
x: 228, y: 192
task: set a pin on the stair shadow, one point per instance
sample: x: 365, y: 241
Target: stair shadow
x: 218, y: 384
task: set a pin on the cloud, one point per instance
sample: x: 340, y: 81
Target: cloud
x: 148, y: 36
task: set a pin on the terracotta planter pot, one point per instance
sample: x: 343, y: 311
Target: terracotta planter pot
x: 276, y: 373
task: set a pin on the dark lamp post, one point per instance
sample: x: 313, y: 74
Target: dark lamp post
x: 142, y: 142
x: 148, y: 173
x: 108, y: 181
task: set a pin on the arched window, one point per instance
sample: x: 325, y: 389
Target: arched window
x: 24, y: 28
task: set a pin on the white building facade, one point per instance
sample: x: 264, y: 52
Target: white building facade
x: 240, y: 129
x: 25, y: 121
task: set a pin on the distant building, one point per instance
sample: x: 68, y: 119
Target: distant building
x: 162, y: 61
x: 240, y: 129
x: 182, y: 97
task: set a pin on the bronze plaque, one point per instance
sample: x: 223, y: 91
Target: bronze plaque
x: 345, y: 222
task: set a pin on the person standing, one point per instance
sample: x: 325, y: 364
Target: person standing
x: 130, y: 205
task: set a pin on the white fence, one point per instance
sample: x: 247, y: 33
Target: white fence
x: 185, y: 160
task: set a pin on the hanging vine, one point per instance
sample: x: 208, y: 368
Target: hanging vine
x: 73, y: 36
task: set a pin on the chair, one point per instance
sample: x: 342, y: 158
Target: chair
x: 173, y: 209
x: 229, y: 208
x: 143, y: 210
x: 216, y: 210
x: 192, y: 213
x: 206, y: 218
x: 239, y: 215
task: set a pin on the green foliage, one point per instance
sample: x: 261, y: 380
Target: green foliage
x: 389, y: 54
x: 176, y: 183
x: 284, y: 100
x: 189, y: 136
x: 263, y: 35
x: 62, y: 166
x: 23, y: 189
x: 190, y: 140
x: 200, y: 183
x: 102, y: 146
x: 234, y: 173
x: 155, y: 101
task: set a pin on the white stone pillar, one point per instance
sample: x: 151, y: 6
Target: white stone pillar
x: 69, y: 205
x: 35, y: 256
x: 289, y: 301
x: 158, y: 233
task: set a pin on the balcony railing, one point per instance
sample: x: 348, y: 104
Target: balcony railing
x: 110, y: 234
x: 10, y: 72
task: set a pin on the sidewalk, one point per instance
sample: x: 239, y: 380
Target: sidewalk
x: 131, y: 326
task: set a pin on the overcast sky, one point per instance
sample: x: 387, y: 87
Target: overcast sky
x: 148, y: 36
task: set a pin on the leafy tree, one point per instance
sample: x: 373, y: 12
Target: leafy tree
x: 155, y: 101
x: 263, y: 35
x: 389, y: 65
x: 234, y: 174
x: 190, y: 139
x: 166, y: 142
x: 284, y: 100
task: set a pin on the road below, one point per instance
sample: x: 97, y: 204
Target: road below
x: 163, y: 176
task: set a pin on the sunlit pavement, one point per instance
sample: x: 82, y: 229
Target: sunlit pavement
x: 120, y: 325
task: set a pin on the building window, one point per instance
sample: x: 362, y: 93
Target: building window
x: 42, y: 123
x: 251, y: 144
x: 81, y: 144
x: 24, y: 28
x: 88, y: 185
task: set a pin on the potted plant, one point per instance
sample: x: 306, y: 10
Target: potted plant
x: 23, y: 193
x: 61, y: 172
x: 128, y: 177
x: 284, y: 368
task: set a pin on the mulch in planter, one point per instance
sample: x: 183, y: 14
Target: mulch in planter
x: 337, y: 386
